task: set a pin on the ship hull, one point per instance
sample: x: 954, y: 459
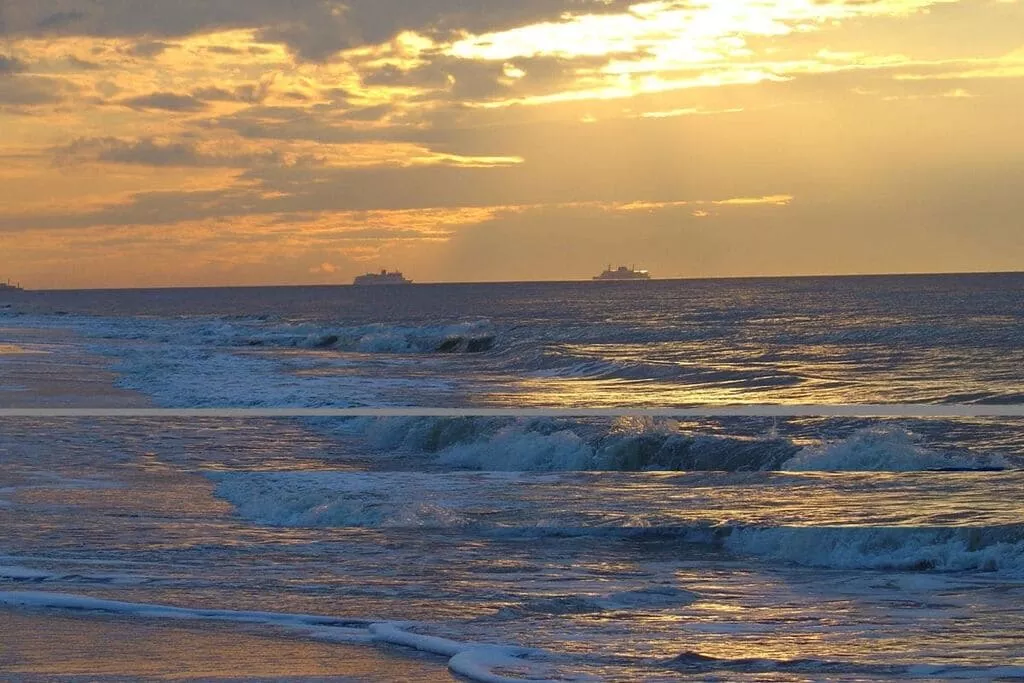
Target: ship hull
x: 374, y: 283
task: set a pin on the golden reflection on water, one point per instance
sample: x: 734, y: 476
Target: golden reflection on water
x: 13, y: 349
x: 709, y: 373
x: 850, y: 499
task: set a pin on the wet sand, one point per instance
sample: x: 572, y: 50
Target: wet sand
x: 36, y: 644
x: 47, y: 369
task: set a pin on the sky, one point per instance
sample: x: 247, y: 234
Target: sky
x: 243, y: 142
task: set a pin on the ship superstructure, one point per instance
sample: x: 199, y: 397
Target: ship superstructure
x: 623, y: 273
x: 384, y: 277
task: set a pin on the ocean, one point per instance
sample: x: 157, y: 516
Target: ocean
x: 615, y: 548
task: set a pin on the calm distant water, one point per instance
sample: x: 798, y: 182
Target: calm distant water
x: 618, y: 549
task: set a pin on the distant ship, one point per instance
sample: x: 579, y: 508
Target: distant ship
x: 8, y: 287
x: 623, y: 273
x: 382, y: 278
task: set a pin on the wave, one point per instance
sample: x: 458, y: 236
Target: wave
x: 475, y: 661
x: 642, y: 599
x: 693, y: 663
x: 548, y: 444
x: 228, y: 332
x: 467, y: 337
x: 887, y: 449
x: 327, y: 499
x: 661, y: 355
x: 639, y: 444
x: 520, y: 508
x: 489, y: 505
x: 947, y: 549
x: 19, y: 574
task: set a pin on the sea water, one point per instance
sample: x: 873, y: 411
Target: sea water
x: 613, y: 548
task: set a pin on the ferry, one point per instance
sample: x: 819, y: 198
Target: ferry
x: 382, y: 278
x: 623, y: 273
x: 9, y: 287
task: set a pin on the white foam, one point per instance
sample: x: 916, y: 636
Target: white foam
x: 217, y: 362
x: 951, y: 549
x: 478, y: 662
x: 539, y: 445
x: 348, y: 499
x: 883, y: 450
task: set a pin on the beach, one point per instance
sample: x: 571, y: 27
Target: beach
x: 43, y: 369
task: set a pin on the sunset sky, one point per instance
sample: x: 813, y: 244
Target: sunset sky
x: 206, y: 142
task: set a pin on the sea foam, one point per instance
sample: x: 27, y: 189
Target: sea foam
x: 476, y: 661
x: 886, y: 450
x: 950, y: 549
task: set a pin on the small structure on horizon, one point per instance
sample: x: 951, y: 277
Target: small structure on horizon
x: 623, y: 273
x: 384, y: 277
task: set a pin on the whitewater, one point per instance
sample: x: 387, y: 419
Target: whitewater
x: 545, y: 548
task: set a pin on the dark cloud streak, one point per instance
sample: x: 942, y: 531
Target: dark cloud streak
x: 165, y: 101
x: 153, y: 152
x: 313, y: 29
x: 11, y: 65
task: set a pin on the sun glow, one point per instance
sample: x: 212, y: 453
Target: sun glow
x: 290, y: 127
x: 668, y: 45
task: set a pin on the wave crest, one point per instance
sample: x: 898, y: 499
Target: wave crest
x: 886, y: 449
x: 988, y: 549
x: 641, y: 444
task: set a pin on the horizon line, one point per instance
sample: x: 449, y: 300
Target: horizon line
x: 909, y: 410
x: 689, y: 278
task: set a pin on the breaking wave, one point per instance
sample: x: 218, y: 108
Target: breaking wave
x: 948, y: 549
x: 229, y: 332
x: 468, y: 337
x: 889, y: 449
x: 547, y: 444
x: 344, y: 500
x: 636, y: 444
x: 340, y: 500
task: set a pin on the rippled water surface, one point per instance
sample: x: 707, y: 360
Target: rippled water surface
x: 600, y: 549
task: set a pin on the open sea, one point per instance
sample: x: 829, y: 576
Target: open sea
x: 618, y: 548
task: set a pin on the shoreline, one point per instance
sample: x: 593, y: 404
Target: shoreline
x: 42, y: 643
x: 49, y: 369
